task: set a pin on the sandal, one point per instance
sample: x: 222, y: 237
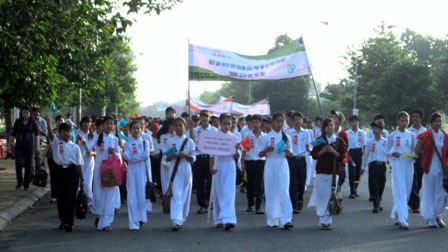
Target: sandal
x: 107, y: 229
x: 288, y: 226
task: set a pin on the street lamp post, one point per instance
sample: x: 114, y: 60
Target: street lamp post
x: 355, y: 109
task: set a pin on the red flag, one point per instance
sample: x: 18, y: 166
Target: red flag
x: 245, y: 144
x: 136, y: 115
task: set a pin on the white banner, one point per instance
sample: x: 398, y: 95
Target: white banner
x: 226, y: 105
x: 214, y: 64
x: 221, y: 107
x: 262, y: 108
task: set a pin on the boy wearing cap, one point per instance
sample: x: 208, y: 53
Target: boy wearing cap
x: 378, y: 119
x: 202, y: 177
x: 375, y: 159
x: 356, y: 147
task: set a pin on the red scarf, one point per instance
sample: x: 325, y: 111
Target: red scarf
x: 428, y: 149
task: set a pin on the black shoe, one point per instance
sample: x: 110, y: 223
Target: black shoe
x: 229, y: 226
x: 288, y: 226
x: 356, y: 195
x: 415, y: 210
x: 402, y: 227
x: 259, y: 211
x: 376, y: 210
x: 61, y: 226
x: 68, y: 228
x: 202, y: 210
x: 352, y: 196
x: 25, y: 188
x: 370, y: 199
x: 300, y: 205
x: 18, y: 187
x: 175, y: 228
x: 296, y: 211
x: 380, y: 208
x: 250, y: 209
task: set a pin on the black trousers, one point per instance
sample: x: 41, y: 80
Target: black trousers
x: 155, y: 171
x: 67, y: 185
x: 255, y: 186
x: 24, y: 158
x: 414, y: 199
x: 354, y: 172
x: 342, y: 175
x: 53, y: 167
x: 202, y: 179
x: 297, y: 179
x: 377, y: 180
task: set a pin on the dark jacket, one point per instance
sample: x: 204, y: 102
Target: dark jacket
x: 325, y: 162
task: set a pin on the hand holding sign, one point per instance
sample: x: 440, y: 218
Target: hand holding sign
x: 217, y: 143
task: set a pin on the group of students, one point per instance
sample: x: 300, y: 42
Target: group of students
x: 281, y: 155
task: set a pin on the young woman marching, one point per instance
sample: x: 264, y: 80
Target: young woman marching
x: 276, y: 146
x: 401, y: 149
x: 331, y: 149
x: 136, y: 152
x: 183, y: 179
x: 104, y: 198
x: 433, y: 162
x: 224, y: 170
x: 85, y: 132
x: 163, y: 136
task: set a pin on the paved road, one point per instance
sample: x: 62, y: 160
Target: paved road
x: 357, y: 229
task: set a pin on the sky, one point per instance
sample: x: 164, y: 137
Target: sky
x: 249, y: 27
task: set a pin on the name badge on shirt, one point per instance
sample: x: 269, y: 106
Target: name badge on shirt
x: 61, y: 148
x: 295, y: 140
x: 272, y: 142
x: 359, y: 137
x: 372, y: 149
x: 134, y: 148
x: 397, y: 143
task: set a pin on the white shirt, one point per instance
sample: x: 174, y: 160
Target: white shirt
x: 148, y: 137
x: 356, y: 139
x: 198, y: 131
x: 136, y: 150
x: 244, y: 132
x: 375, y: 151
x: 317, y: 132
x: 300, y: 139
x: 255, y: 145
x: 272, y: 139
x: 177, y: 141
x: 66, y: 153
x: 417, y: 131
x: 401, y: 142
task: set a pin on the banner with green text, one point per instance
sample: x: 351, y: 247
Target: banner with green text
x: 285, y: 62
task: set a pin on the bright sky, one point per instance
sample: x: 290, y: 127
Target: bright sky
x: 250, y: 27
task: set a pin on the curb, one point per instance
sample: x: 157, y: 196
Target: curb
x: 21, y: 205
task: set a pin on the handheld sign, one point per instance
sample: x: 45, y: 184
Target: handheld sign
x: 217, y: 143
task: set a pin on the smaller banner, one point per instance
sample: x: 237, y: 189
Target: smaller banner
x: 224, y: 106
x: 217, y: 143
x: 262, y: 108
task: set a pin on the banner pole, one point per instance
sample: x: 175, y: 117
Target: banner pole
x: 188, y: 72
x: 313, y: 82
